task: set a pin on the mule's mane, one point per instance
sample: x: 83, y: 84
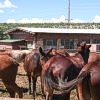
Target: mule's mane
x: 63, y: 55
x: 63, y: 52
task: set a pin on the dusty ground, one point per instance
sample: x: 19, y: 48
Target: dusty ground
x: 22, y: 81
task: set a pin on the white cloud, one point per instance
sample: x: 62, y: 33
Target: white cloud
x: 11, y: 21
x: 61, y: 19
x: 7, y: 4
x: 52, y: 20
x: 96, y: 19
x: 77, y: 21
x: 25, y: 20
x: 37, y: 20
x: 1, y: 11
x: 33, y: 20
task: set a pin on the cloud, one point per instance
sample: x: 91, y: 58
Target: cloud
x: 7, y: 4
x: 1, y: 11
x: 77, y: 21
x: 52, y: 20
x: 11, y: 21
x: 96, y: 19
x: 37, y: 20
x: 33, y: 20
x: 61, y: 19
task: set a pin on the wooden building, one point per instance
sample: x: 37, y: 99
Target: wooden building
x: 14, y: 44
x: 56, y: 38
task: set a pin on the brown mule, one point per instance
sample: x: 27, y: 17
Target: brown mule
x: 33, y: 68
x: 88, y: 82
x: 64, y: 68
x: 8, y: 72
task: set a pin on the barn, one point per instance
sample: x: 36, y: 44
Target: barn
x: 14, y: 44
x: 56, y: 37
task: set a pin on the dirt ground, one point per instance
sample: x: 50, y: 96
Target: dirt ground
x: 22, y: 81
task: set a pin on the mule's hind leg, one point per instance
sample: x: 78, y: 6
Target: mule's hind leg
x: 49, y: 94
x: 17, y: 89
x: 29, y: 84
x: 10, y: 91
x: 34, y: 79
x: 66, y: 96
x: 83, y: 90
x: 42, y: 88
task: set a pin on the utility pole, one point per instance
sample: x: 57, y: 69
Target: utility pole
x: 68, y: 11
x: 68, y: 19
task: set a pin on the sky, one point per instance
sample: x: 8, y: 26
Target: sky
x: 49, y: 11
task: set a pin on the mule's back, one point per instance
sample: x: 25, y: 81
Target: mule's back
x: 6, y: 61
x: 7, y: 64
x: 31, y: 63
x: 94, y: 57
x: 8, y: 72
x: 77, y: 59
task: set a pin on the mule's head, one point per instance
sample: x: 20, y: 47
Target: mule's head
x: 18, y: 56
x: 84, y: 50
x: 44, y: 56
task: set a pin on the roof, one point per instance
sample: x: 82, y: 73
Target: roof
x: 55, y: 30
x: 11, y: 40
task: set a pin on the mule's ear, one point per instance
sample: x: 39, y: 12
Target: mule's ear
x: 78, y: 45
x: 83, y: 43
x: 88, y: 46
x: 41, y: 51
x: 49, y: 51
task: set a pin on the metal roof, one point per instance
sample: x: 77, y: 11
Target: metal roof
x: 55, y: 30
x: 11, y: 40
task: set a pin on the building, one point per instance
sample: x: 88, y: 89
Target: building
x: 14, y: 44
x: 55, y: 37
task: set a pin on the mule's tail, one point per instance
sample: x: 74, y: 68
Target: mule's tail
x: 56, y: 83
x: 46, y: 80
x: 66, y: 86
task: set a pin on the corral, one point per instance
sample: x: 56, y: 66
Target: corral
x: 47, y: 38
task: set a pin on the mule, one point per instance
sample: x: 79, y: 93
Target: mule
x: 89, y: 73
x: 45, y: 57
x: 18, y: 55
x: 64, y: 68
x: 90, y: 76
x: 33, y: 68
x: 88, y: 82
x: 8, y: 72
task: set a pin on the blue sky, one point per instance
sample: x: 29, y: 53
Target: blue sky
x: 31, y: 11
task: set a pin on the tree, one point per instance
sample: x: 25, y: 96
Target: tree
x: 4, y: 36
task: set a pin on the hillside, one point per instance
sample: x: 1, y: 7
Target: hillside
x: 6, y: 26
